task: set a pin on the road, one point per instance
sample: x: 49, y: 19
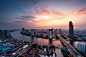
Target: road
x: 71, y: 48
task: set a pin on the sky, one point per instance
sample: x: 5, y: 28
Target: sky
x: 42, y: 14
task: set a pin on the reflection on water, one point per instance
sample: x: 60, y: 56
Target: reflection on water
x: 41, y: 41
x: 35, y: 40
x: 74, y: 43
x: 32, y: 40
x: 71, y: 42
x: 50, y: 41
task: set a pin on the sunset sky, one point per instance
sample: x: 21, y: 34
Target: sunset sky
x: 42, y: 14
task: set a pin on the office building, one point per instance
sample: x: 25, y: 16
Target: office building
x: 59, y: 31
x: 81, y: 47
x: 52, y: 30
x: 71, y: 32
x: 50, y: 33
x: 1, y: 33
x: 56, y: 30
x: 8, y: 32
x: 32, y: 32
x: 27, y: 32
x: 5, y: 33
x: 36, y: 31
x: 22, y: 30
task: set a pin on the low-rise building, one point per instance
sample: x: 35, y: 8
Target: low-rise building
x: 4, y: 48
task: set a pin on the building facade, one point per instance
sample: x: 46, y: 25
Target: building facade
x: 59, y: 31
x: 1, y: 33
x: 71, y: 32
x: 50, y: 33
x: 32, y: 32
x: 81, y: 47
x: 22, y: 30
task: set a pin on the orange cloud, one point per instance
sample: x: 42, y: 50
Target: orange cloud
x: 48, y: 18
x: 80, y: 12
x: 49, y: 13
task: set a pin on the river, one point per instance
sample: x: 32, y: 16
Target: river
x: 41, y: 41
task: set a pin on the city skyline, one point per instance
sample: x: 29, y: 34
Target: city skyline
x: 42, y: 14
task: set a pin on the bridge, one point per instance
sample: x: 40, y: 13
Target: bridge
x: 70, y: 48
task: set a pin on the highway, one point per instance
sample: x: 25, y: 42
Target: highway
x: 70, y: 48
x: 25, y: 50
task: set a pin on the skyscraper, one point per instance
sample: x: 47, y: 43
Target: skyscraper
x: 5, y: 33
x: 71, y: 32
x: 36, y: 31
x: 32, y: 32
x: 59, y: 31
x: 50, y: 33
x: 1, y: 33
x: 22, y: 30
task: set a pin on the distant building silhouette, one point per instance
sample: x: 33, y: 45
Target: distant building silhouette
x: 32, y: 32
x: 5, y: 33
x: 56, y: 30
x: 59, y: 31
x: 36, y: 31
x: 1, y: 33
x: 22, y: 30
x: 71, y: 32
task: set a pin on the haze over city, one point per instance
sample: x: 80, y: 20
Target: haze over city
x: 42, y: 14
x: 42, y: 28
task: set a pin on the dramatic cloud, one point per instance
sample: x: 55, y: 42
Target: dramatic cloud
x: 25, y: 17
x: 49, y: 13
x: 80, y: 12
x: 41, y: 13
x: 47, y: 18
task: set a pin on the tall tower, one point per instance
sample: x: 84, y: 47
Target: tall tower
x: 71, y: 32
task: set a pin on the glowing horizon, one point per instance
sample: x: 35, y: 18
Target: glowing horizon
x: 40, y: 14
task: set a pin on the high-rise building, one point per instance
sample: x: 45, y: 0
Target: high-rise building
x: 52, y: 30
x: 50, y: 33
x: 22, y: 30
x: 36, y: 31
x: 32, y: 32
x: 1, y: 33
x: 27, y: 32
x: 8, y: 32
x: 5, y: 33
x: 71, y: 32
x: 81, y: 47
x: 56, y: 30
x: 59, y: 31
